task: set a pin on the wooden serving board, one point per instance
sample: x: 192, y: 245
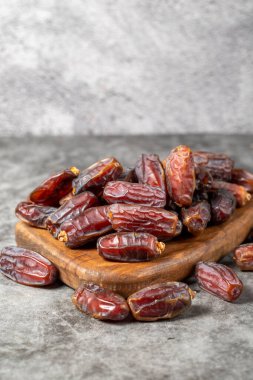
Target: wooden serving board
x: 176, y: 263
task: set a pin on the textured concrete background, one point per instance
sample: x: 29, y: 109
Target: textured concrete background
x: 119, y: 67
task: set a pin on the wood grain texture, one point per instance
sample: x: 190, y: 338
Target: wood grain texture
x: 176, y: 263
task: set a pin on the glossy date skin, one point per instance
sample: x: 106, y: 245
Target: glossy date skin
x: 125, y: 192
x: 241, y: 195
x: 73, y: 208
x: 243, y: 257
x: 100, y: 303
x: 27, y: 267
x: 54, y: 188
x: 149, y: 171
x: 222, y: 204
x: 85, y: 228
x: 160, y: 301
x: 97, y: 175
x: 196, y: 217
x: 219, y: 280
x: 33, y: 214
x: 244, y: 178
x: 137, y: 218
x: 180, y: 175
x: 130, y: 247
x: 219, y: 165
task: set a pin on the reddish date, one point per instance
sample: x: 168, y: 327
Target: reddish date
x: 204, y: 179
x: 160, y: 301
x: 125, y: 192
x: 243, y: 257
x: 33, y: 214
x: 73, y: 208
x: 223, y: 205
x: 137, y: 218
x: 108, y: 169
x: 87, y: 227
x: 149, y: 171
x: 244, y: 178
x: 130, y: 247
x: 27, y: 267
x: 66, y: 198
x: 241, y: 195
x: 219, y: 165
x: 54, y: 188
x: 100, y: 303
x: 180, y: 175
x: 219, y: 280
x: 196, y: 217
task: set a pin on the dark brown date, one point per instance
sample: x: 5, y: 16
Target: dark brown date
x: 180, y: 175
x: 33, y: 214
x: 223, y: 205
x: 244, y: 178
x: 241, y: 195
x: 128, y: 175
x: 160, y: 301
x: 87, y: 227
x: 149, y: 171
x: 196, y: 217
x: 54, y: 188
x: 27, y: 267
x: 219, y: 165
x: 130, y: 247
x: 156, y: 221
x: 125, y: 192
x: 100, y: 303
x: 243, y: 257
x: 219, y: 280
x: 73, y: 208
x: 108, y: 169
x: 204, y: 179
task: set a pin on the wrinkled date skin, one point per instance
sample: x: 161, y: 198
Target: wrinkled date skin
x: 125, y: 192
x: 108, y: 169
x: 136, y: 218
x: 219, y: 165
x: 130, y: 247
x: 100, y: 303
x: 241, y: 195
x: 218, y: 280
x: 27, y: 267
x: 223, y: 205
x: 73, y: 208
x: 244, y: 178
x: 33, y: 214
x: 54, y: 188
x: 160, y: 301
x: 196, y: 217
x: 149, y: 171
x: 87, y: 227
x: 243, y: 257
x: 180, y: 175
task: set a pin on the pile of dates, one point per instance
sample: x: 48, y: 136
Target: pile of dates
x: 130, y: 213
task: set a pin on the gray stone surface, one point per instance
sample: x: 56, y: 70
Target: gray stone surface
x: 42, y: 336
x: 120, y: 67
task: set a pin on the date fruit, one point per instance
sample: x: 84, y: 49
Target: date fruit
x: 244, y: 178
x: 137, y: 218
x: 85, y: 228
x: 125, y: 192
x: 128, y: 175
x: 180, y: 175
x: 149, y: 171
x: 243, y: 257
x: 219, y: 165
x: 241, y: 195
x: 96, y: 175
x: 218, y: 280
x: 33, y: 214
x: 204, y: 179
x: 223, y: 205
x: 66, y: 198
x: 27, y: 267
x: 196, y: 217
x: 73, y: 208
x: 54, y: 188
x: 160, y: 301
x: 100, y: 303
x: 130, y: 247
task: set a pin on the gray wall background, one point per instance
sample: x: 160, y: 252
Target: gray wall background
x: 127, y: 66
